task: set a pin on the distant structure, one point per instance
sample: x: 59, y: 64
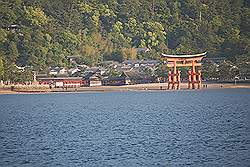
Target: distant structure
x: 174, y: 61
x: 12, y: 27
x: 142, y: 50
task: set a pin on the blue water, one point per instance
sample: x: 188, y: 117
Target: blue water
x: 178, y: 128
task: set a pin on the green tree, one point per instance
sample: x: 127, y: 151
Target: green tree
x: 129, y: 53
x: 1, y: 68
x: 13, y: 52
x: 43, y: 33
x: 36, y: 16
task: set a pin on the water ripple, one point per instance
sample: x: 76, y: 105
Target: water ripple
x: 197, y: 128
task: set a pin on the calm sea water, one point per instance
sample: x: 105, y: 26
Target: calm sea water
x: 179, y: 128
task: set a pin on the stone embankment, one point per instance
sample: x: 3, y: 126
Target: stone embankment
x: 24, y: 88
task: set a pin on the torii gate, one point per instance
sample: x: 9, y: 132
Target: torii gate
x: 174, y: 61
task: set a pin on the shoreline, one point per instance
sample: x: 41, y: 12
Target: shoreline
x: 151, y: 87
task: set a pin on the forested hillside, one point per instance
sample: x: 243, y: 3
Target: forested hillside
x: 42, y: 33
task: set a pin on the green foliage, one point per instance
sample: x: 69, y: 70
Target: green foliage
x: 210, y: 71
x: 154, y: 35
x: 36, y: 16
x: 7, y: 14
x: 129, y: 53
x: 95, y: 49
x: 13, y: 52
x: 160, y: 72
x: 3, y: 35
x: 43, y: 33
x: 113, y: 73
x: 1, y: 68
x: 69, y: 41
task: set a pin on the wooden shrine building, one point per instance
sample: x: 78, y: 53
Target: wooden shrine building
x: 174, y: 61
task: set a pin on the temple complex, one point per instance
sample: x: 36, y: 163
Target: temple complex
x: 194, y: 76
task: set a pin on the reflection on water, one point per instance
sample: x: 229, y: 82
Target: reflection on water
x: 196, y: 128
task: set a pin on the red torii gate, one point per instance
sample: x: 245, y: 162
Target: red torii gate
x: 174, y: 61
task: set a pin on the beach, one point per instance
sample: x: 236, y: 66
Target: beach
x: 137, y: 87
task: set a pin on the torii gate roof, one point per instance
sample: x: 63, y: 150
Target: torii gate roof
x: 184, y: 56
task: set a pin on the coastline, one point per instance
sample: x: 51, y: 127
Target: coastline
x: 126, y: 88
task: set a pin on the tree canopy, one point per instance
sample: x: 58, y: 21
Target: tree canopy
x: 44, y: 33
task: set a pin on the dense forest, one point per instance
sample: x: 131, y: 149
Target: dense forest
x: 42, y: 33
